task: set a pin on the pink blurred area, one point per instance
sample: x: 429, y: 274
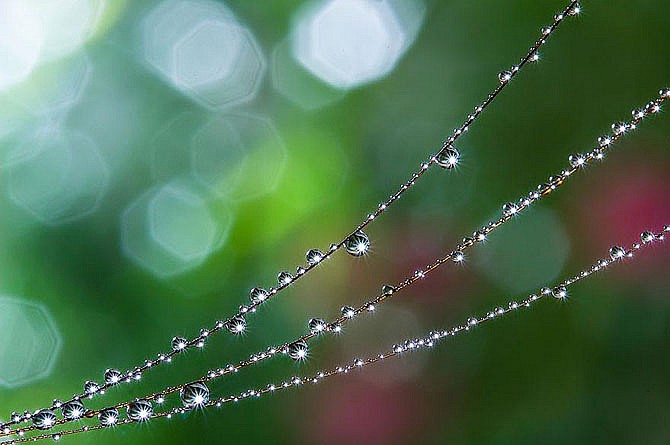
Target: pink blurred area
x: 359, y: 412
x: 620, y: 200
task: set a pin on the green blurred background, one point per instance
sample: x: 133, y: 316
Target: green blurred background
x: 160, y: 158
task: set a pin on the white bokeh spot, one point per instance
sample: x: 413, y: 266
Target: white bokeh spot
x: 200, y: 48
x: 348, y: 43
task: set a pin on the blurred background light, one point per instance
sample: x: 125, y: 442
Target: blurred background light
x: 56, y: 174
x: 348, y: 43
x: 526, y: 254
x: 21, y: 39
x: 37, y: 31
x: 240, y: 156
x: 295, y: 83
x: 29, y: 342
x: 200, y: 48
x: 171, y: 229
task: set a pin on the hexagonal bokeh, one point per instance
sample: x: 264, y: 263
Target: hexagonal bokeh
x: 201, y: 49
x: 71, y: 81
x: 29, y: 342
x: 171, y: 229
x: 347, y: 43
x: 239, y: 156
x: 56, y: 175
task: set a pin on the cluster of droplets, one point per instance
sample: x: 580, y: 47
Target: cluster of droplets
x: 196, y: 395
x: 533, y: 55
x: 356, y: 244
x: 299, y: 349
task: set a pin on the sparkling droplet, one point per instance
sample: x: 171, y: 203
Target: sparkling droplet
x: 258, y: 295
x: 504, y: 76
x: 546, y: 30
x: 638, y: 113
x: 73, y: 410
x: 617, y: 252
x: 577, y: 160
x: 56, y: 437
x: 510, y: 208
x: 472, y: 321
x: 619, y: 127
x: 179, y: 343
x: 534, y: 57
x: 559, y: 292
x: 387, y: 289
x: 298, y: 350
x: 604, y: 141
x: 575, y: 9
x: 647, y: 237
x: 44, y: 419
x: 313, y: 257
x: 140, y: 411
x: 91, y: 387
x: 194, y: 395
x: 284, y: 278
x: 237, y: 325
x: 479, y: 236
x: 448, y: 158
x: 316, y: 325
x: 348, y: 312
x: 457, y: 256
x: 357, y: 244
x: 112, y: 377
x: 108, y: 417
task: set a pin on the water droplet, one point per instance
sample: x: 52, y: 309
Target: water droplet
x: 357, y: 244
x: 108, y: 417
x: 504, y: 76
x: 387, y: 289
x: 316, y: 325
x: 194, y: 395
x: 510, y: 208
x: 617, y: 252
x: 284, y: 278
x: 258, y: 295
x: 313, y: 257
x: 91, y: 387
x: 237, y: 325
x: 140, y: 411
x: 44, y: 419
x: 647, y: 237
x: 577, y: 160
x: 348, y: 312
x: 179, y: 343
x: 298, y: 350
x: 73, y: 410
x: 112, y: 377
x: 575, y: 9
x: 448, y: 158
x: 559, y: 292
